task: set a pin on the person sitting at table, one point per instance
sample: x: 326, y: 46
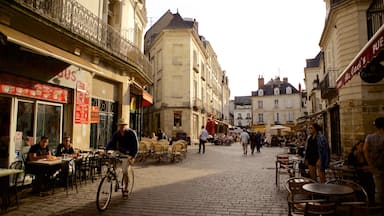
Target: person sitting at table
x: 356, y: 159
x: 40, y: 150
x: 65, y: 147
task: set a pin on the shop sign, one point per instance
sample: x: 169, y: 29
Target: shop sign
x: 22, y: 87
x: 68, y: 77
x: 365, y: 56
x: 94, y: 114
x: 82, y: 103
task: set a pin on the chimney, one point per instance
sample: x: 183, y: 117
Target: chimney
x: 285, y: 80
x: 261, y: 82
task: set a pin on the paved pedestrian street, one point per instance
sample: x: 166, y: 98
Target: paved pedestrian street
x: 220, y: 182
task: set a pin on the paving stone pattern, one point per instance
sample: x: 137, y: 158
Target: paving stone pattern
x: 220, y: 182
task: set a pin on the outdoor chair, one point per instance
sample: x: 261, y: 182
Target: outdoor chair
x: 320, y: 208
x: 143, y: 152
x: 71, y: 179
x: 15, y: 181
x: 297, y: 197
x: 284, y: 166
x: 346, y: 203
x: 177, y: 152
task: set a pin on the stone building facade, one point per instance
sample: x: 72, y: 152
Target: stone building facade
x: 70, y: 68
x: 352, y: 49
x: 189, y: 85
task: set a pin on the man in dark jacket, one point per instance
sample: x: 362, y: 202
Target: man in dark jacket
x: 124, y: 140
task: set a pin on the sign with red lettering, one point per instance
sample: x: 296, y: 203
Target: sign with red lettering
x: 369, y: 52
x: 14, y: 85
x: 94, y: 114
x: 82, y: 103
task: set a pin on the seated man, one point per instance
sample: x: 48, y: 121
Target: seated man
x: 65, y: 147
x: 39, y: 151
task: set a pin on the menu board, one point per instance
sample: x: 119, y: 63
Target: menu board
x: 82, y: 103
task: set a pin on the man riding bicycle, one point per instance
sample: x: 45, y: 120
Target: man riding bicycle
x: 124, y: 140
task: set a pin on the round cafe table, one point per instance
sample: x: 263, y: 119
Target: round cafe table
x: 327, y: 189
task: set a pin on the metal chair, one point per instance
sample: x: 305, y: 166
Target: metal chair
x: 359, y: 197
x: 297, y: 197
x: 284, y: 166
x: 320, y: 208
x: 15, y: 181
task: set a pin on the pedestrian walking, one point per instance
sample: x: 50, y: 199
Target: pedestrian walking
x: 317, y: 153
x: 259, y: 139
x: 374, y: 153
x: 244, y: 140
x: 203, y: 139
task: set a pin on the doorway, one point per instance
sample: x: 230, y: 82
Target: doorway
x: 5, y: 120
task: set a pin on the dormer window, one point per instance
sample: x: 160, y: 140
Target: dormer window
x: 261, y: 92
x: 288, y: 90
x: 276, y: 91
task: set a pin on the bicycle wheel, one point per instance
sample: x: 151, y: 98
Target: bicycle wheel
x: 104, y: 193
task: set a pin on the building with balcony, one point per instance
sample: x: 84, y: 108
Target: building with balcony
x: 242, y: 112
x: 275, y: 103
x: 70, y: 68
x: 352, y: 81
x: 189, y: 85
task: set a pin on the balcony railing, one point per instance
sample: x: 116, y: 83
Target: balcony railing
x: 77, y: 19
x: 327, y: 91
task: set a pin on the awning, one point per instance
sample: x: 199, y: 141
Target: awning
x: 147, y: 99
x: 45, y: 48
x: 258, y: 128
x: 363, y: 58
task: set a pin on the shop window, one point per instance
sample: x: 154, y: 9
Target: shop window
x: 49, y: 123
x: 102, y: 131
x: 25, y: 116
x: 177, y: 119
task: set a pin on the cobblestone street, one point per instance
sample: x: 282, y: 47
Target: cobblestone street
x: 220, y: 182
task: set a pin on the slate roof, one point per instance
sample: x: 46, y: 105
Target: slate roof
x: 243, y: 100
x: 269, y: 87
x: 315, y: 62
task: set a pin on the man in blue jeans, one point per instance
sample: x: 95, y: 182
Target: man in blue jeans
x: 203, y: 139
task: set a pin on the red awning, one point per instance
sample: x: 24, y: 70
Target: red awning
x: 363, y: 58
x: 147, y: 99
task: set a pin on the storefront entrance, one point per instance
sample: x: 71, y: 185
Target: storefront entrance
x: 5, y: 119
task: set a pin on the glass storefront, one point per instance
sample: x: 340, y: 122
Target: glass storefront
x: 102, y: 131
x: 36, y: 119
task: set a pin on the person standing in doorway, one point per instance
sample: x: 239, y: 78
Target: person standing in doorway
x: 244, y: 140
x: 374, y: 154
x: 203, y: 139
x: 317, y: 153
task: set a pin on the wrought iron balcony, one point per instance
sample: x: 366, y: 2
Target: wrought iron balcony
x: 327, y: 91
x: 74, y: 17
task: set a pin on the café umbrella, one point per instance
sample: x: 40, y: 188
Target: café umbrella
x: 278, y: 128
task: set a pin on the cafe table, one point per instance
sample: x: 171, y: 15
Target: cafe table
x: 328, y: 189
x: 46, y: 171
x: 4, y: 185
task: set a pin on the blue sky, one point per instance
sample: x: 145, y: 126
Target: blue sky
x: 254, y: 38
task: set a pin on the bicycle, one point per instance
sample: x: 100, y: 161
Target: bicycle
x: 104, y: 191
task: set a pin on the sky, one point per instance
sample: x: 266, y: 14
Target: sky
x: 253, y: 38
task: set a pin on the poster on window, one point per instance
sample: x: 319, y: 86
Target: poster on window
x: 82, y: 103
